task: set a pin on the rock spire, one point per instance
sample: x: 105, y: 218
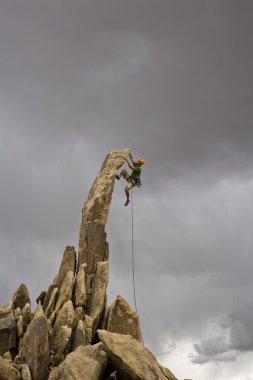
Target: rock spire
x: 74, y: 333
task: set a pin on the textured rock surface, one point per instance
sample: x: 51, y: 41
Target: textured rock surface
x: 123, y: 319
x: 80, y: 287
x: 87, y: 363
x: 21, y: 297
x: 92, y: 245
x: 79, y: 337
x: 68, y: 264
x: 35, y: 348
x: 61, y: 339
x: 65, y: 317
x: 8, y: 328
x: 25, y: 372
x: 7, y: 371
x: 131, y: 359
x: 66, y: 290
x: 98, y: 298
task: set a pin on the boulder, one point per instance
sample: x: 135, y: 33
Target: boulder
x: 6, y: 307
x: 98, y: 298
x: 8, y: 330
x: 80, y: 287
x: 131, y: 359
x: 35, y: 347
x: 25, y: 372
x: 61, y: 339
x: 79, y: 336
x: 7, y: 371
x: 78, y: 315
x: 68, y: 264
x: 87, y: 363
x: 66, y: 290
x: 123, y: 319
x: 88, y: 328
x: 51, y: 302
x: 27, y: 315
x: 65, y: 316
x: 21, y: 297
x: 48, y: 295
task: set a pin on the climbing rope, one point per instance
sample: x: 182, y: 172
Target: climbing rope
x: 133, y: 269
x: 132, y: 209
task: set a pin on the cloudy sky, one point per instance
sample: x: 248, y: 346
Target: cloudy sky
x: 172, y: 80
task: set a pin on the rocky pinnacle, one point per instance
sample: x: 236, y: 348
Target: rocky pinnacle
x: 92, y: 241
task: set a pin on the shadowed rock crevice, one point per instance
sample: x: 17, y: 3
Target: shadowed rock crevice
x: 61, y: 339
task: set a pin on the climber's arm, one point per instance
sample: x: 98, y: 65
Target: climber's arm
x: 130, y: 166
x: 131, y: 157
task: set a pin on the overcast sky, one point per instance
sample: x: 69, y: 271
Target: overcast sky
x: 171, y: 80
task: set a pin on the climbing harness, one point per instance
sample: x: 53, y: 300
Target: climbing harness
x: 133, y: 269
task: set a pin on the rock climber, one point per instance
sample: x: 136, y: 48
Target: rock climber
x: 134, y: 178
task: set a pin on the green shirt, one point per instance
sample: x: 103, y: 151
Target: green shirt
x: 137, y: 170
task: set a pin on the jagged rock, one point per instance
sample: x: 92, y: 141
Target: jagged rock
x: 8, y: 328
x: 87, y: 363
x: 79, y: 314
x: 131, y: 359
x: 51, y: 303
x: 50, y: 333
x: 52, y: 317
x: 92, y: 241
x: 27, y: 315
x: 20, y: 330
x: 123, y: 319
x: 25, y: 372
x: 88, y: 328
x: 104, y: 318
x: 98, y: 299
x: 7, y: 371
x: 80, y: 287
x: 35, y: 348
x: 41, y: 297
x: 17, y: 312
x: 79, y: 337
x: 6, y: 307
x: 68, y: 264
x: 66, y: 290
x: 65, y: 316
x: 61, y: 339
x: 21, y: 297
x: 48, y: 295
x: 7, y: 356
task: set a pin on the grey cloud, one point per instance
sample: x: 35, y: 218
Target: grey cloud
x: 238, y: 338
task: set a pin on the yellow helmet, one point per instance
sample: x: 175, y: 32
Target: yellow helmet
x: 141, y: 160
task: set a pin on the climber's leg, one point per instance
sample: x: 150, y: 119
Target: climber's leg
x: 127, y: 191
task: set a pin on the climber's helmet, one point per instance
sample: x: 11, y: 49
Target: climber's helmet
x: 141, y: 160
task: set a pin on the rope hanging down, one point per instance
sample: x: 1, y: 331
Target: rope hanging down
x: 135, y: 303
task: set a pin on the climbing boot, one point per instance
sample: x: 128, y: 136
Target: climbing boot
x: 127, y: 202
x: 117, y: 176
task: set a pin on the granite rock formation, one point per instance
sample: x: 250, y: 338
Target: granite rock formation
x: 74, y: 334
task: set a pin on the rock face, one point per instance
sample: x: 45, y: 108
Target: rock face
x: 123, y: 319
x: 131, y: 359
x: 60, y: 340
x: 87, y: 363
x: 92, y: 241
x: 21, y: 297
x: 35, y: 348
x: 7, y: 371
x: 8, y: 331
